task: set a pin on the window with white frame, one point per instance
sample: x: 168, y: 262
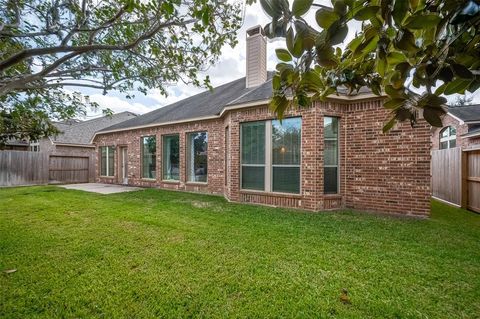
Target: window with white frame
x: 197, y: 157
x: 271, y: 155
x: 34, y: 146
x: 448, y: 138
x: 149, y: 157
x: 171, y: 157
x: 330, y: 155
x: 106, y: 161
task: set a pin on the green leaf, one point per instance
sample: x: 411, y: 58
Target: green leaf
x: 366, y: 13
x: 394, y: 103
x: 405, y: 41
x: 325, y: 18
x: 276, y: 82
x: 461, y: 71
x: 457, y: 86
x: 290, y: 40
x: 394, y: 58
x: 278, y: 105
x: 271, y: 8
x: 298, y: 46
x: 300, y: 7
x: 337, y: 33
x: 381, y: 67
x: 387, y: 127
x: 432, y: 116
x: 399, y: 11
x: 423, y: 21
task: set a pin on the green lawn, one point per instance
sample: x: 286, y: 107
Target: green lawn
x: 157, y: 253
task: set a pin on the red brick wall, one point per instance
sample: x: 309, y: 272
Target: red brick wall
x: 386, y: 172
x: 378, y: 172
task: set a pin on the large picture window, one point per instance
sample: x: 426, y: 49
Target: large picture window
x: 171, y: 158
x: 270, y: 155
x: 330, y: 155
x: 448, y: 138
x: 197, y: 157
x: 107, y: 161
x: 149, y: 150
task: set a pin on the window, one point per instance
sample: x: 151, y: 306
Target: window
x: 171, y: 157
x: 270, y: 155
x: 330, y: 155
x: 286, y: 141
x: 149, y: 150
x: 448, y: 138
x: 34, y: 146
x: 106, y: 161
x: 253, y: 155
x: 197, y: 159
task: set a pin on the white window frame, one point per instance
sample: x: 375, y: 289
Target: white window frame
x: 337, y: 139
x: 268, y: 188
x: 190, y: 161
x: 163, y: 157
x: 142, y: 151
x: 448, y: 138
x: 34, y: 146
x: 107, y: 165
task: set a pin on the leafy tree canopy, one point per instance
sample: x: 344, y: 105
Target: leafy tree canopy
x: 429, y: 46
x: 122, y: 45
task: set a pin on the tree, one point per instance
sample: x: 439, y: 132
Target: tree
x: 126, y: 45
x: 463, y: 100
x: 403, y: 47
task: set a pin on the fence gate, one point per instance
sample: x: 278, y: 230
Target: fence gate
x: 471, y: 180
x: 68, y: 169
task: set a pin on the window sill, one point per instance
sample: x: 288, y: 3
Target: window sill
x: 151, y: 180
x: 170, y: 181
x: 111, y: 177
x: 332, y: 195
x: 197, y: 183
x: 253, y: 192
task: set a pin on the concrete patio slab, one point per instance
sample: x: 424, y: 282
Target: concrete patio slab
x: 101, y: 188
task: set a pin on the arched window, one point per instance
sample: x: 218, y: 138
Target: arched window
x: 448, y: 137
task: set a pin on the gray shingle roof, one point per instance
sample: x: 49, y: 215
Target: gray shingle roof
x: 83, y: 132
x: 466, y: 113
x: 205, y: 104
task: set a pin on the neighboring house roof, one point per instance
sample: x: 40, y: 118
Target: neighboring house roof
x: 472, y: 132
x: 468, y: 113
x: 16, y: 142
x: 83, y: 132
x: 207, y: 104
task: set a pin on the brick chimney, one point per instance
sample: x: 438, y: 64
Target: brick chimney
x: 256, y: 57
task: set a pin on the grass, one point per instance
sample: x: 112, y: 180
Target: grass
x: 157, y: 253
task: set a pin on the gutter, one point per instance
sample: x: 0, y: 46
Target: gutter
x: 74, y: 145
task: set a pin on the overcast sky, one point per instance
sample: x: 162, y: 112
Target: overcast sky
x: 229, y: 67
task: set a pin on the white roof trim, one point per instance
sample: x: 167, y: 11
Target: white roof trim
x: 74, y: 145
x: 471, y: 135
x: 461, y: 122
x: 234, y: 107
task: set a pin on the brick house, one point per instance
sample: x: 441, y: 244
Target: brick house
x: 331, y: 155
x: 461, y: 128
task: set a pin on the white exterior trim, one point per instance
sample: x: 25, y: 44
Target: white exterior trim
x: 74, y: 145
x: 461, y: 122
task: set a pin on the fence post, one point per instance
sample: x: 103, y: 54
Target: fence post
x: 464, y: 185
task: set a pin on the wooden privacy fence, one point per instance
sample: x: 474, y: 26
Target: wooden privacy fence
x: 23, y: 168
x: 68, y: 169
x: 456, y: 177
x: 31, y: 168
